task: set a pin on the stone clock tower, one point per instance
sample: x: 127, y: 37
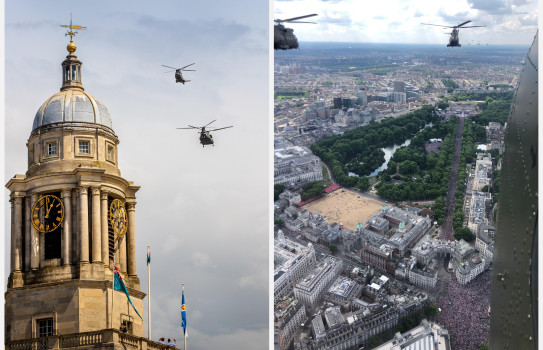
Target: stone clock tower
x: 59, y: 292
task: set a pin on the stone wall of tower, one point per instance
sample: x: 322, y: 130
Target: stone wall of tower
x: 68, y: 158
x: 76, y: 307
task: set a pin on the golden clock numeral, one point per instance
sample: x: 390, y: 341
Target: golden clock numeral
x: 59, y: 218
x: 47, y: 227
x: 41, y: 226
x: 37, y: 222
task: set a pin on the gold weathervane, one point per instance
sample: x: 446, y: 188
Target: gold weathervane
x: 71, y: 46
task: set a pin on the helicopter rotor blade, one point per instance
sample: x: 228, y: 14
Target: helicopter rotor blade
x: 302, y: 22
x: 472, y: 27
x: 460, y: 25
x: 187, y: 65
x: 210, y: 122
x: 189, y: 128
x: 437, y: 25
x: 300, y: 17
x: 226, y: 127
x: 188, y: 70
x: 169, y: 67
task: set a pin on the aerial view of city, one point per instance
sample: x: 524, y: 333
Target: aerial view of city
x: 387, y: 173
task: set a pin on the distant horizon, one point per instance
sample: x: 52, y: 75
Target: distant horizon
x: 413, y: 44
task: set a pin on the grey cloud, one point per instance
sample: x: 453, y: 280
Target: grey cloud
x: 520, y: 2
x: 491, y: 6
x: 450, y: 20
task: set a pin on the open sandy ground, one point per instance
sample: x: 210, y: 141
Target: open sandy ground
x: 346, y: 207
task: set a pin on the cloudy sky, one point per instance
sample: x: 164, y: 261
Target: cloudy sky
x: 399, y: 21
x: 203, y: 211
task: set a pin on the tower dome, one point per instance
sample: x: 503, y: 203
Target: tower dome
x: 72, y: 106
x: 72, y: 128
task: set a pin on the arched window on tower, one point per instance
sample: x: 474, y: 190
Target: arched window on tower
x: 74, y: 72
x: 66, y: 73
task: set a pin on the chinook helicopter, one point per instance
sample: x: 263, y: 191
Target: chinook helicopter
x: 178, y: 74
x: 454, y: 39
x: 205, y: 136
x: 284, y: 38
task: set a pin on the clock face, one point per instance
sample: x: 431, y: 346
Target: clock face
x: 47, y: 213
x: 118, y: 218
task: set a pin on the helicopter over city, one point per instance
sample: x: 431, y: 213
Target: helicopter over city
x: 205, y: 136
x: 178, y: 74
x: 454, y: 40
x: 284, y: 38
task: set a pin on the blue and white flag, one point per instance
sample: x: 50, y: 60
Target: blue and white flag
x: 183, y: 314
x: 148, y: 255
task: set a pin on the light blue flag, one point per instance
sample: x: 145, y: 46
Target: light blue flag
x: 119, y: 285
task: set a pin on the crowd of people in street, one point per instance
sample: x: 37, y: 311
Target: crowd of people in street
x: 464, y: 312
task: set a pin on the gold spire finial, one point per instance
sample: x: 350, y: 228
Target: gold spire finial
x: 71, y: 46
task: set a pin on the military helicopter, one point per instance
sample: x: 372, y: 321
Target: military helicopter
x: 178, y: 74
x: 454, y: 40
x: 284, y: 38
x: 205, y: 136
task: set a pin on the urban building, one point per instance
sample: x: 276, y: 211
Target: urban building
x: 362, y: 97
x: 400, y: 97
x: 343, y: 291
x: 399, y: 86
x: 378, y: 257
x: 289, y: 315
x: 470, y: 268
x: 424, y: 276
x: 292, y: 262
x: 428, y: 335
x: 396, y: 227
x: 310, y: 288
x: 295, y: 166
x: 353, y: 329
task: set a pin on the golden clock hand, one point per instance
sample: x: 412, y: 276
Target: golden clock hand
x: 48, y: 210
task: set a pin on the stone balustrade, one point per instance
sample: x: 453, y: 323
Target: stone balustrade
x: 97, y: 340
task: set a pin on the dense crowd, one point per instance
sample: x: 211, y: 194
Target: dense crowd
x: 464, y: 312
x: 447, y: 231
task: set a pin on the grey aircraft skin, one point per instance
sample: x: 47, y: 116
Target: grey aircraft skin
x: 513, y: 299
x: 284, y: 38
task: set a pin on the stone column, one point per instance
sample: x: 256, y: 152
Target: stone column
x: 96, y: 226
x: 18, y: 228
x: 12, y: 245
x: 131, y: 239
x: 122, y: 255
x: 83, y: 225
x: 105, y: 234
x: 75, y: 228
x: 34, y: 241
x: 28, y: 239
x: 66, y: 227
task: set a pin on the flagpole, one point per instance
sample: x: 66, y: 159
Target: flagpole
x: 184, y: 330
x: 149, y: 291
